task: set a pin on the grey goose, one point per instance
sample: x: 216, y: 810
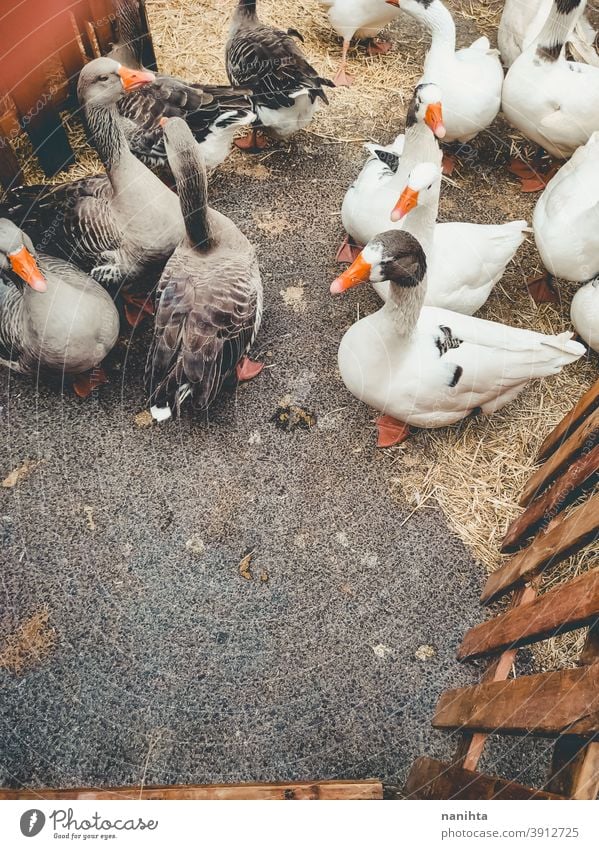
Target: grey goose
x: 209, y: 298
x: 53, y: 316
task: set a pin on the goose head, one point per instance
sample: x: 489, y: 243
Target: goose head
x: 426, y: 107
x: 104, y: 80
x: 17, y: 256
x: 421, y: 189
x: 395, y: 255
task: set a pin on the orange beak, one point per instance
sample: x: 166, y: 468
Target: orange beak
x: 407, y: 202
x: 434, y: 119
x: 163, y: 121
x: 358, y: 272
x: 25, y: 266
x: 393, y: 3
x: 133, y: 79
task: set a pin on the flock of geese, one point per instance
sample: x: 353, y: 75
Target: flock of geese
x: 70, y: 254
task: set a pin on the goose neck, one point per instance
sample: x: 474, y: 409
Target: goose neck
x: 402, y: 307
x: 108, y: 136
x: 562, y: 19
x: 439, y: 22
x: 190, y: 175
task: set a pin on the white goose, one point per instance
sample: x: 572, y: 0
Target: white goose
x: 465, y: 260
x: 522, y: 21
x: 430, y: 367
x: 566, y: 218
x: 584, y: 312
x: 553, y: 102
x: 362, y: 18
x: 472, y: 77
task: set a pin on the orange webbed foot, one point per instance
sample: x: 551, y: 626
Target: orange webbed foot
x: 543, y: 290
x: 379, y: 46
x: 84, y: 384
x: 137, y: 308
x: 449, y: 163
x: 348, y: 251
x: 247, y: 369
x: 254, y: 142
x: 391, y: 431
x: 342, y: 78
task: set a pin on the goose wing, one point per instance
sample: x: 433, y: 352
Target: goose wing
x: 74, y: 219
x: 270, y: 63
x: 205, y: 321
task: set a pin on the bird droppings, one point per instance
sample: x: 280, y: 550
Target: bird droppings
x: 425, y: 652
x: 342, y: 539
x: 29, y: 644
x: 382, y: 651
x: 144, y: 419
x: 299, y: 541
x: 255, y: 170
x: 245, y: 567
x: 89, y: 515
x: 195, y: 545
x: 20, y: 473
x: 272, y: 223
x: 264, y: 576
x: 293, y: 296
x: 292, y: 417
x: 255, y: 438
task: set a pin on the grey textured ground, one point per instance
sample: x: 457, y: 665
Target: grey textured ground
x: 167, y: 665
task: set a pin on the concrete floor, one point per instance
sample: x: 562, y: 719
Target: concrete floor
x: 159, y: 660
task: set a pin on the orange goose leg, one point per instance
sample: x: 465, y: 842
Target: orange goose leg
x: 391, y: 431
x: 247, y: 369
x: 84, y: 384
x: 137, y: 308
x: 342, y: 78
x: 254, y: 142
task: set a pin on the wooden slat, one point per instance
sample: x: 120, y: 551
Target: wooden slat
x: 569, y: 606
x: 564, y: 535
x: 368, y: 789
x: 575, y: 768
x: 575, y: 764
x: 433, y: 779
x: 10, y: 170
x: 472, y: 744
x: 581, y: 475
x: 549, y: 704
x: 583, y: 439
x: 588, y: 402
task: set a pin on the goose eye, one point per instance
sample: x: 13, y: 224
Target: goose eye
x: 104, y: 78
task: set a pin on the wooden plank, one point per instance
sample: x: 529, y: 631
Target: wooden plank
x: 579, y: 477
x: 564, y: 535
x: 10, y: 170
x: 434, y: 779
x: 367, y: 789
x: 472, y: 744
x: 575, y: 768
x: 549, y: 704
x: 580, y: 441
x: 588, y: 402
x: 569, y: 606
x: 575, y: 764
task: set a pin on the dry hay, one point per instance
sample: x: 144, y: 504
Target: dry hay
x: 476, y: 471
x: 28, y: 645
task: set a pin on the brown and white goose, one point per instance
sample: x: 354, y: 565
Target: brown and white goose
x: 53, y: 317
x: 285, y: 87
x: 214, y: 113
x: 209, y: 305
x: 121, y: 226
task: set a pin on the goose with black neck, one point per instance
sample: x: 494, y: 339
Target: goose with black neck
x: 428, y: 367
